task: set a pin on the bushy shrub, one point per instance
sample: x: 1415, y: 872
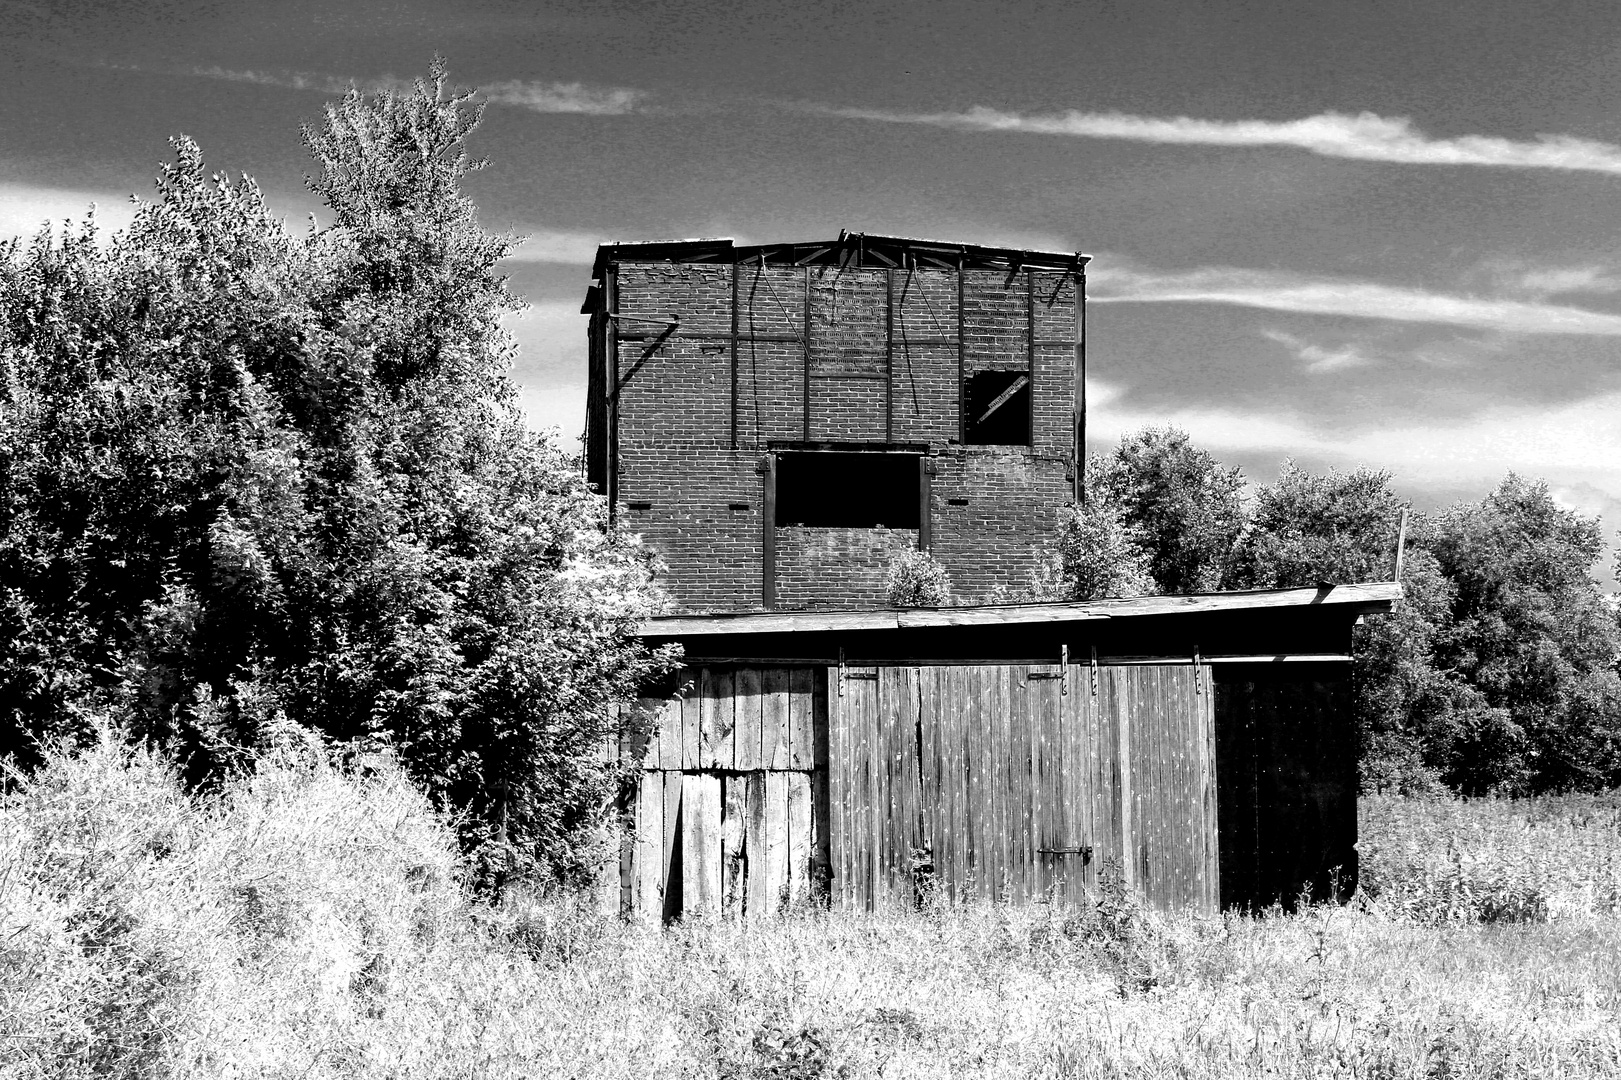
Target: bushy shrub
x: 917, y: 579
x: 247, y: 475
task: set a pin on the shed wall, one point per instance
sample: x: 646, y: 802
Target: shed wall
x: 877, y: 784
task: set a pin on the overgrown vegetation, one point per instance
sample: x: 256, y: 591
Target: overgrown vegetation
x: 917, y: 579
x: 251, y: 478
x: 309, y: 920
x: 1496, y: 673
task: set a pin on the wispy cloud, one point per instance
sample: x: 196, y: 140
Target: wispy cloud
x: 1319, y: 359
x: 1365, y: 136
x: 1277, y: 291
x: 1578, y: 442
x: 573, y: 97
x: 1552, y: 281
x: 536, y: 96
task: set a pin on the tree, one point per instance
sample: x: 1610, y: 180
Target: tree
x: 1310, y: 529
x: 248, y: 478
x: 1184, y: 506
x: 1097, y: 554
x: 1533, y: 636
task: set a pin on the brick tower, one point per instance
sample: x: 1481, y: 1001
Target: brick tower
x: 778, y: 420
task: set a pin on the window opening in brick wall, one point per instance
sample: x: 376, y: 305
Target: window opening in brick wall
x: 848, y: 490
x: 998, y: 407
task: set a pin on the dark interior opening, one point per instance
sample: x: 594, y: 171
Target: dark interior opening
x: 847, y: 490
x: 998, y: 409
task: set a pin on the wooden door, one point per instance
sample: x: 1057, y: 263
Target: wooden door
x: 1164, y: 722
x: 988, y: 781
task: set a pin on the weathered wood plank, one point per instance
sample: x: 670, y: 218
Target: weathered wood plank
x: 756, y: 902
x: 1121, y: 704
x: 692, y: 735
x: 930, y: 811
x: 670, y: 862
x: 979, y: 766
x: 997, y: 704
x: 802, y: 713
x: 839, y: 795
x: 748, y: 721
x: 1208, y: 786
x: 734, y: 862
x: 647, y: 871
x: 775, y: 740
x: 717, y: 717
x: 1021, y: 712
x: 1046, y: 792
x: 908, y: 756
x: 700, y: 844
x: 801, y: 836
x: 670, y: 735
x: 821, y: 841
x: 963, y: 877
x: 875, y: 796
x: 1369, y: 598
x: 891, y: 787
x: 775, y: 867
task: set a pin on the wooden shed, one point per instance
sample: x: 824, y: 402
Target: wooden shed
x: 1199, y: 746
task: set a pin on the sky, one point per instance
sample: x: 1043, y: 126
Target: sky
x: 1349, y: 233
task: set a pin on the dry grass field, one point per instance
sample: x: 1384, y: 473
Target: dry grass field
x: 309, y: 924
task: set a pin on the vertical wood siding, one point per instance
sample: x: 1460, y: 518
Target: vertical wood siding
x: 730, y: 815
x: 763, y: 785
x: 1017, y: 782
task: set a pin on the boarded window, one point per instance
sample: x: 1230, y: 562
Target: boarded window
x: 998, y: 404
x: 848, y: 490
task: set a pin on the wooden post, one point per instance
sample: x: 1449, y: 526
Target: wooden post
x: 610, y: 482
x: 1401, y: 544
x: 925, y: 503
x: 1080, y: 386
x: 1030, y: 347
x: 807, y: 351
x: 768, y: 536
x: 889, y: 355
x: 734, y: 357
x: 962, y: 357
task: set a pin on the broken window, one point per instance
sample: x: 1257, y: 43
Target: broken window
x: 848, y: 490
x: 997, y: 409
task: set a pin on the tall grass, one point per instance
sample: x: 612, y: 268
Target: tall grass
x: 308, y: 922
x: 1493, y: 860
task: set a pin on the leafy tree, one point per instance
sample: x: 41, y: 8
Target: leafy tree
x: 1533, y: 636
x: 1184, y: 506
x: 250, y: 478
x: 1309, y: 529
x: 1097, y: 554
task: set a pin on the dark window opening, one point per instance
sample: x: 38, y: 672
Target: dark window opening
x: 848, y: 491
x: 998, y: 409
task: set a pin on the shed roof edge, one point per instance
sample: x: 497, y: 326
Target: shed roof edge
x: 1361, y: 598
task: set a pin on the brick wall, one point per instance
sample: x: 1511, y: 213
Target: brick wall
x: 884, y: 366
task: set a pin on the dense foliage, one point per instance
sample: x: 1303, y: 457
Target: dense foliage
x: 916, y: 579
x: 250, y: 478
x: 1497, y: 671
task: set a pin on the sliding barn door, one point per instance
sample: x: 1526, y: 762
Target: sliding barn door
x: 1164, y: 721
x: 1020, y: 782
x: 991, y: 781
